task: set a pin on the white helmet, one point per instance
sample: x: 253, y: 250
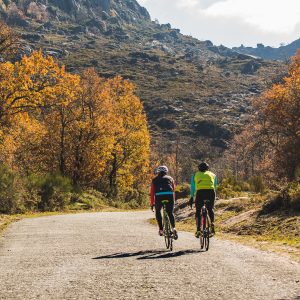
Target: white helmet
x: 162, y: 169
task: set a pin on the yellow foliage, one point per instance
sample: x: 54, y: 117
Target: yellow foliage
x: 87, y: 128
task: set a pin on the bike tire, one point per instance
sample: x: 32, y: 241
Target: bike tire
x: 167, y: 231
x: 201, y: 241
x: 167, y: 241
x: 202, y: 235
x: 206, y: 242
x: 171, y: 244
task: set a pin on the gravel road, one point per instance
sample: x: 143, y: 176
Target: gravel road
x: 120, y: 256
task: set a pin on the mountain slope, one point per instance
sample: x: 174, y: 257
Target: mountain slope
x: 281, y: 53
x: 190, y: 88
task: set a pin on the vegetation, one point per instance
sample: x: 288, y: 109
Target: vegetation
x: 193, y: 91
x: 62, y: 134
x: 269, y: 145
x: 268, y: 221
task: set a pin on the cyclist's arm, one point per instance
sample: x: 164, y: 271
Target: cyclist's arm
x: 152, y: 194
x: 193, y: 187
x: 215, y: 183
x: 174, y: 189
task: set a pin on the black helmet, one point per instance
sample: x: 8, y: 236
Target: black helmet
x: 203, y: 167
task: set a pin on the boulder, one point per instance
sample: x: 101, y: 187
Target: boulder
x: 250, y: 67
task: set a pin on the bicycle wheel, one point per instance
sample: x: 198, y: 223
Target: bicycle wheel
x: 201, y: 241
x: 169, y: 234
x: 203, y: 218
x: 207, y: 234
x: 202, y: 237
x: 167, y: 231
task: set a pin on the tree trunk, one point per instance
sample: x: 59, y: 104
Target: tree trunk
x: 62, y: 162
x: 113, y: 177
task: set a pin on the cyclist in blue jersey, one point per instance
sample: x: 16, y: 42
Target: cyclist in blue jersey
x: 163, y: 188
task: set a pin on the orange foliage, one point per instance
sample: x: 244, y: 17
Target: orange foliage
x: 272, y: 142
x: 87, y: 128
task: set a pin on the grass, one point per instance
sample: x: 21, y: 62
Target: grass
x: 239, y: 220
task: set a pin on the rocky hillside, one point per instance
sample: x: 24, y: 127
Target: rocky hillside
x: 190, y: 88
x: 281, y: 53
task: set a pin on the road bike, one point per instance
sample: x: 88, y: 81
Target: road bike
x: 205, y: 227
x: 167, y: 228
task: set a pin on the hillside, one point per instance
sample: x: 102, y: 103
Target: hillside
x: 190, y: 88
x: 266, y: 52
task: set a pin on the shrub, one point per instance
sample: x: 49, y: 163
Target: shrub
x: 183, y: 191
x: 9, y: 191
x: 287, y: 199
x: 54, y: 191
x: 257, y: 184
x: 90, y: 199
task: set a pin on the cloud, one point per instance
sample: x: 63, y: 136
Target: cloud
x: 268, y: 15
x: 231, y: 22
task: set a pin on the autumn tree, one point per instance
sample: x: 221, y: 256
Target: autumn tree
x: 28, y: 84
x: 8, y: 40
x: 129, y: 161
x: 86, y: 128
x: 270, y: 144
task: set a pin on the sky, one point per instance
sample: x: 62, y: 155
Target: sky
x: 231, y: 22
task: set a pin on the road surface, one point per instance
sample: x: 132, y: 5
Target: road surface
x: 120, y: 256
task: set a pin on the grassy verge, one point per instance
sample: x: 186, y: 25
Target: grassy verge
x: 5, y: 220
x: 240, y: 220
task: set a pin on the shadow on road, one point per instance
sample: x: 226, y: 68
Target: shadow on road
x: 149, y: 254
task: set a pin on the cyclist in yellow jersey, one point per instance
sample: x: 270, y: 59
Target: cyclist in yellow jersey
x: 203, y: 187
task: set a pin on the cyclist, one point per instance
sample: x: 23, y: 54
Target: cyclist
x: 163, y: 188
x: 203, y: 186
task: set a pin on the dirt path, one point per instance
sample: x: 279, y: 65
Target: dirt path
x: 120, y: 256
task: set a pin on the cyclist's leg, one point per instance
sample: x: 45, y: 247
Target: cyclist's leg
x: 198, y: 203
x: 170, y: 211
x: 211, y: 195
x: 158, y: 207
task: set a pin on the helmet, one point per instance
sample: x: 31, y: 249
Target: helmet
x: 162, y: 169
x: 203, y: 167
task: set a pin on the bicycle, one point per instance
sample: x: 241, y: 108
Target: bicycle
x: 167, y: 228
x: 205, y: 228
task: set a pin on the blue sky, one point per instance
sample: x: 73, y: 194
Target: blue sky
x: 231, y: 22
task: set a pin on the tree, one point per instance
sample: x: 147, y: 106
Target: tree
x: 28, y: 84
x: 91, y: 130
x: 129, y: 162
x: 8, y: 40
x: 270, y: 144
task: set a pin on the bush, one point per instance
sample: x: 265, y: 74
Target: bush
x: 287, y: 199
x: 90, y: 199
x: 9, y: 191
x: 183, y: 191
x: 54, y: 191
x: 257, y: 184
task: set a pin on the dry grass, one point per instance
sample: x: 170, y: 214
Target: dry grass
x: 239, y: 220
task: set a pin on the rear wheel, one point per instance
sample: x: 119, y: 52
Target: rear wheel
x: 205, y: 231
x: 206, y: 239
x: 201, y: 241
x: 167, y: 232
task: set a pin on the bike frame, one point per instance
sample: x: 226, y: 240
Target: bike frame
x: 167, y: 227
x: 205, y: 227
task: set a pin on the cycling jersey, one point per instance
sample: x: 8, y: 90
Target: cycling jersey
x: 162, y: 187
x: 203, y: 181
